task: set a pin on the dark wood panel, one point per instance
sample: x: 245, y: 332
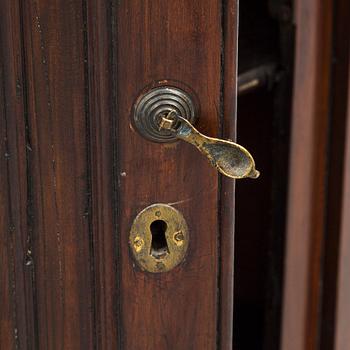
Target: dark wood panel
x: 174, y: 41
x: 70, y: 72
x: 17, y: 327
x: 227, y: 188
x: 101, y: 117
x: 59, y: 172
x: 308, y: 175
x: 342, y: 317
x: 336, y: 149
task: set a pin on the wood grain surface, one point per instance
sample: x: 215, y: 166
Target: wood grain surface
x: 307, y: 175
x: 316, y: 253
x: 227, y: 187
x: 59, y: 173
x: 342, y: 314
x: 102, y: 146
x: 337, y: 170
x: 17, y: 327
x: 178, y: 309
x: 74, y: 174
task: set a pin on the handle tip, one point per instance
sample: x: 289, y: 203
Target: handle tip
x: 254, y: 174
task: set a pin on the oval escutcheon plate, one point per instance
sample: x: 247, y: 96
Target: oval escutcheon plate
x: 159, y: 238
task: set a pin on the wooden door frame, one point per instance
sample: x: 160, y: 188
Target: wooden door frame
x: 342, y: 313
x: 307, y: 175
x: 316, y: 175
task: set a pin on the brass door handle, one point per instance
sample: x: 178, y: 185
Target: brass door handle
x: 166, y: 113
x: 229, y: 158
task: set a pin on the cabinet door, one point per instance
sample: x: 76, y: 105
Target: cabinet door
x: 75, y: 173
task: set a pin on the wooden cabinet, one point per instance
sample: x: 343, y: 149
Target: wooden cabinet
x: 75, y: 173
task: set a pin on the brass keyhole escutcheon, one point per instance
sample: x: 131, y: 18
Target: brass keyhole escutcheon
x: 159, y: 238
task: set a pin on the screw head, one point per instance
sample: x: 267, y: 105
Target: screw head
x: 160, y: 266
x: 179, y: 237
x: 138, y: 244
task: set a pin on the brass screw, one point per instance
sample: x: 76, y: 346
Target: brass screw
x: 160, y: 266
x: 179, y: 237
x: 138, y: 244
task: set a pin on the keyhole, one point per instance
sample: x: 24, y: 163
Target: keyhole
x: 159, y: 245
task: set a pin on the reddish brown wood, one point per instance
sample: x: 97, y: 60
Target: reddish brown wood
x: 342, y: 329
x: 336, y: 171
x: 229, y: 109
x: 76, y: 174
x: 101, y: 117
x: 305, y: 227
x: 181, y: 42
x: 17, y: 328
x: 59, y: 171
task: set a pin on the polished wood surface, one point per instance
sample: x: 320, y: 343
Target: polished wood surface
x: 58, y: 174
x: 307, y: 175
x: 171, y: 43
x: 227, y: 187
x: 101, y: 123
x: 74, y: 174
x: 337, y: 170
x: 17, y: 326
x: 316, y: 256
x: 342, y: 318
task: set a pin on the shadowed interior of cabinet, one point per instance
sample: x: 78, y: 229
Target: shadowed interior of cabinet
x: 263, y: 116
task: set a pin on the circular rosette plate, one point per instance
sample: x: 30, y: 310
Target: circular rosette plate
x: 154, y: 104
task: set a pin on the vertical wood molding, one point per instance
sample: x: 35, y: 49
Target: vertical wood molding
x: 230, y: 42
x: 180, y: 42
x: 336, y: 169
x: 17, y: 301
x: 102, y: 144
x: 306, y: 203
x: 60, y: 171
x: 342, y: 320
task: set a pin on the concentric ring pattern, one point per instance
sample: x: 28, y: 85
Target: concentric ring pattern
x: 155, y: 103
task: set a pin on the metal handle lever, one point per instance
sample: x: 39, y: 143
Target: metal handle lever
x: 227, y: 157
x: 166, y: 113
